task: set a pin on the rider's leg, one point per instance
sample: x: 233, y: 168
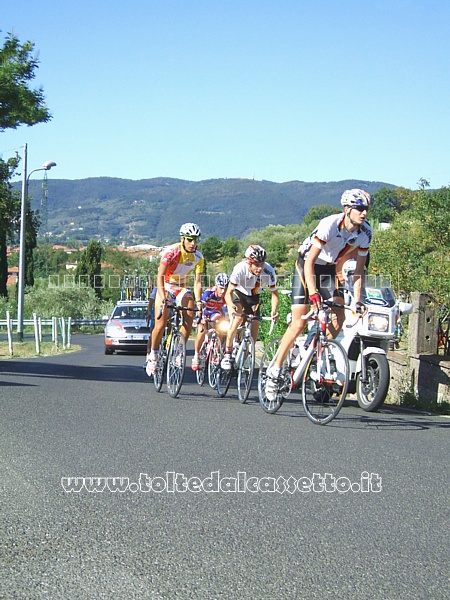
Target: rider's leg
x: 254, y: 328
x: 188, y: 316
x: 201, y: 332
x: 158, y: 328
x: 295, y: 329
x: 337, y: 319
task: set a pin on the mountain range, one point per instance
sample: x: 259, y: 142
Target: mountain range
x: 151, y: 210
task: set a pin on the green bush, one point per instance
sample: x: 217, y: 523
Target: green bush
x: 77, y: 303
x: 284, y: 308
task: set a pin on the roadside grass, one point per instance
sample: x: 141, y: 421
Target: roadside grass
x: 27, y: 349
x: 409, y: 400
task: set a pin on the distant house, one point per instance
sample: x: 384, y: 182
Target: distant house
x: 13, y: 275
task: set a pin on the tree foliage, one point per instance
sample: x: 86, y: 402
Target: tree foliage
x: 19, y: 104
x: 89, y: 266
x: 277, y: 252
x: 385, y: 203
x: 231, y: 247
x: 31, y: 229
x: 9, y: 213
x: 415, y: 250
x: 211, y: 249
x: 316, y: 213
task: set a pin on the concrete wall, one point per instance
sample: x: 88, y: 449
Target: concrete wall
x: 425, y: 376
x: 419, y: 370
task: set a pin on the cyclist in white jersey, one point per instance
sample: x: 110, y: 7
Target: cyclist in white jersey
x: 335, y: 238
x: 242, y: 296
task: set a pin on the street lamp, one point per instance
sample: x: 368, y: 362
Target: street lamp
x: 23, y: 210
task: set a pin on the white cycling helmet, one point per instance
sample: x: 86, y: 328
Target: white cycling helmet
x: 222, y: 280
x: 348, y: 268
x: 255, y: 253
x: 190, y: 229
x: 356, y: 198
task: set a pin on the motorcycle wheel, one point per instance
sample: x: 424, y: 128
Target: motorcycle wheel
x: 373, y: 392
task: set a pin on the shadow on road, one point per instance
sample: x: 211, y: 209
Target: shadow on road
x: 116, y: 372
x: 394, y: 418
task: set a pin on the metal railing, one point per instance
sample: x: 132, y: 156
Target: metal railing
x: 61, y: 329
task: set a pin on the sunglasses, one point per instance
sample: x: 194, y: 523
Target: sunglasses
x: 191, y: 239
x: 360, y: 208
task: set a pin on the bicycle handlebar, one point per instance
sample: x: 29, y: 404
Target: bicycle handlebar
x: 167, y: 304
x: 328, y: 304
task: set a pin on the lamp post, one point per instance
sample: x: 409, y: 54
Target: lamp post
x: 23, y: 212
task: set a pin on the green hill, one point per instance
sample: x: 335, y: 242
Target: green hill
x: 151, y: 210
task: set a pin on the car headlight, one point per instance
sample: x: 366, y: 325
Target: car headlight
x: 378, y: 322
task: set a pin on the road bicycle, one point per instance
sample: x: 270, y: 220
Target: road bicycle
x: 125, y: 292
x: 322, y: 375
x: 172, y: 351
x: 243, y: 359
x: 210, y: 353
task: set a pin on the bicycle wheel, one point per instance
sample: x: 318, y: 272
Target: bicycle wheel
x: 158, y: 377
x: 245, y: 370
x: 325, y: 382
x: 223, y: 379
x: 202, y: 364
x: 285, y: 379
x: 214, y: 362
x: 176, y: 362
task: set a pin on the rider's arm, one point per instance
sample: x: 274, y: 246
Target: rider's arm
x: 160, y: 281
x: 229, y: 299
x: 358, y: 277
x: 275, y: 300
x: 198, y: 287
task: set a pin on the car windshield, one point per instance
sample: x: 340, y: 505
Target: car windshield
x: 130, y: 312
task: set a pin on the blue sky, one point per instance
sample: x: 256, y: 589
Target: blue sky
x: 281, y: 90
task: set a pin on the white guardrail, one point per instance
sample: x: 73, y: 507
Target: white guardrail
x: 61, y: 329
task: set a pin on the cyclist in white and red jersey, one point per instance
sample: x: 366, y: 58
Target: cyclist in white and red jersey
x: 242, y: 296
x: 214, y: 309
x: 176, y: 264
x: 335, y: 237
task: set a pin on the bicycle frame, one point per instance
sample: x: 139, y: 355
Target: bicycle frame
x: 172, y: 360
x: 321, y: 376
x: 318, y: 342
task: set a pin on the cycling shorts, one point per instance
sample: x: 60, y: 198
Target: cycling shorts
x: 327, y: 282
x: 212, y: 315
x: 250, y: 304
x: 177, y: 292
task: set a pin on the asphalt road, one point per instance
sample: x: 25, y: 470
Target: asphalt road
x: 87, y: 415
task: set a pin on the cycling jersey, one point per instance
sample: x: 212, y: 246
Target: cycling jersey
x: 180, y: 264
x: 243, y: 280
x: 335, y: 241
x: 215, y: 307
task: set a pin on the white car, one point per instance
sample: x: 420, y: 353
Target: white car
x: 127, y: 327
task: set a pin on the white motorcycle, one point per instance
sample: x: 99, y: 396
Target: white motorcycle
x: 366, y: 340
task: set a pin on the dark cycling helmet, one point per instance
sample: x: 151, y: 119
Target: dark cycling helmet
x: 356, y: 198
x: 255, y: 253
x: 190, y: 229
x: 222, y: 280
